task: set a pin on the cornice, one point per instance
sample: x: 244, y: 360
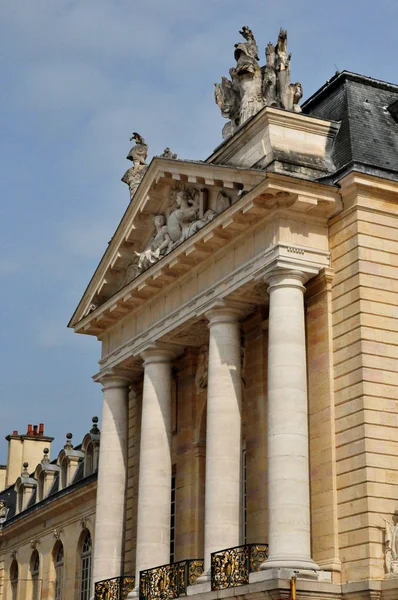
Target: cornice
x: 263, y: 119
x: 85, y: 488
x: 172, y: 172
x: 283, y: 255
x: 307, y: 199
x: 356, y: 181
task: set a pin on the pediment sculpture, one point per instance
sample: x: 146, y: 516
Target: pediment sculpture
x: 391, y: 545
x: 252, y: 87
x: 138, y: 155
x: 188, y: 214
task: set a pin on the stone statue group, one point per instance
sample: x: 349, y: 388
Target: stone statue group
x: 252, y: 87
x: 188, y: 214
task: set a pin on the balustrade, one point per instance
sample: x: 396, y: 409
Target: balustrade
x: 231, y: 567
x: 169, y: 581
x: 116, y: 588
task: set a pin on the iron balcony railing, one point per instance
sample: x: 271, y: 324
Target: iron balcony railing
x: 169, y: 581
x: 231, y: 567
x: 116, y: 588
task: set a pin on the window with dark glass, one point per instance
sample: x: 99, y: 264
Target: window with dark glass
x: 244, y: 498
x: 85, y: 568
x: 35, y: 574
x: 59, y: 571
x: 14, y: 580
x: 172, y: 516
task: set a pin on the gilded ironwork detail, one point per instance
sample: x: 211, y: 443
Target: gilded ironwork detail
x: 169, y: 581
x: 258, y: 554
x: 231, y: 567
x: 116, y: 588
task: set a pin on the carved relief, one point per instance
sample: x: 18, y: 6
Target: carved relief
x: 188, y: 214
x: 391, y: 546
x: 252, y: 87
x: 202, y: 369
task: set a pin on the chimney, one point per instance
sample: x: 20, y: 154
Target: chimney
x: 25, y: 448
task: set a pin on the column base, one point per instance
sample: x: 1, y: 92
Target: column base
x: 281, y: 562
x: 199, y: 588
x: 204, y: 578
x: 135, y: 593
x: 287, y: 573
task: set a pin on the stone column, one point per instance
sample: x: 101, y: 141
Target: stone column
x: 223, y: 435
x: 289, y: 531
x: 154, y: 489
x: 112, y: 469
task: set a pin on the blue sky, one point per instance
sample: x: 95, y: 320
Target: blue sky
x: 78, y: 76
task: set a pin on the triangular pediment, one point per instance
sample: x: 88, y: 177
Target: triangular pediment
x: 208, y: 191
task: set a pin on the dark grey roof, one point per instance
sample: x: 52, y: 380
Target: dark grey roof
x: 368, y: 137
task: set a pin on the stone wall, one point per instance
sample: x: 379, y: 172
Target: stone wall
x: 364, y: 247
x: 39, y: 531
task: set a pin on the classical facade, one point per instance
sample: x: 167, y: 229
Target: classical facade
x: 246, y: 309
x: 47, y: 517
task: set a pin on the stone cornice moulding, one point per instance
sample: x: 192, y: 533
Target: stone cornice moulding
x: 356, y: 182
x: 307, y: 260
x: 310, y: 200
x: 50, y: 507
x: 268, y: 117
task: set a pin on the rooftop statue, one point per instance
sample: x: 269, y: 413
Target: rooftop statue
x: 252, y: 87
x: 138, y: 155
x: 167, y: 153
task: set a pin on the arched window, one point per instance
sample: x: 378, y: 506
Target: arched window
x: 85, y: 568
x: 35, y: 574
x: 14, y: 579
x: 59, y: 571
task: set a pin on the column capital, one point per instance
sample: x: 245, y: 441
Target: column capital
x: 223, y: 311
x: 285, y: 277
x: 159, y: 352
x: 114, y: 378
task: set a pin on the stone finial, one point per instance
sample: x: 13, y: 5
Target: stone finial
x: 45, y: 458
x: 68, y: 444
x: 252, y: 87
x: 167, y: 153
x: 25, y: 472
x: 95, y: 429
x: 138, y: 155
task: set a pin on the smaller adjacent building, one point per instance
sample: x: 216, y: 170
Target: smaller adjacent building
x: 47, y: 516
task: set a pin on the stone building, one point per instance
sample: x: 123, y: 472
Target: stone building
x: 47, y: 517
x: 246, y: 309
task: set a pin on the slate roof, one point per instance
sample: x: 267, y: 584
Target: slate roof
x: 368, y: 137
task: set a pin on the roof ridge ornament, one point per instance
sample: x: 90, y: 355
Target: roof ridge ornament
x: 252, y: 87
